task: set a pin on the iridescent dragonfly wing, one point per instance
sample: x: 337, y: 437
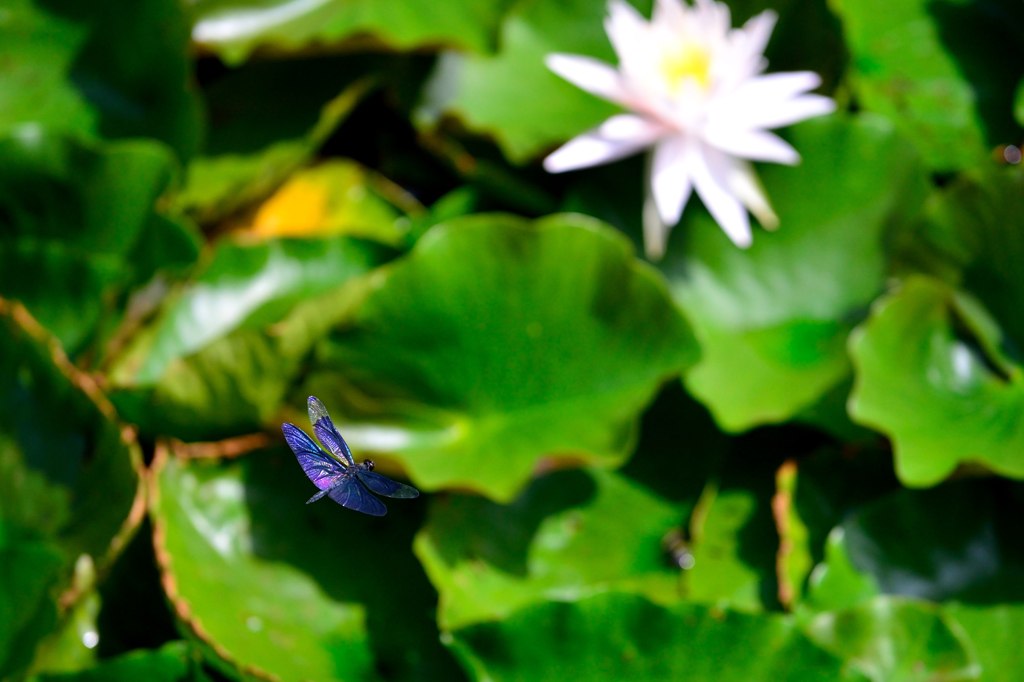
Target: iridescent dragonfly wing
x: 322, y: 469
x: 324, y: 429
x: 382, y: 485
x: 351, y: 493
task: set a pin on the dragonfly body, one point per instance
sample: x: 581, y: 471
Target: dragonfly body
x: 334, y: 471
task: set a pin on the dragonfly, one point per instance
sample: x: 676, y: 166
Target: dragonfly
x: 335, y: 472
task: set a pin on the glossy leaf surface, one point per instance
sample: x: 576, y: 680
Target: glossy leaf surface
x: 914, y: 371
x: 502, y: 336
x: 234, y: 28
x: 234, y: 543
x: 616, y: 636
x: 773, y: 319
x: 69, y: 483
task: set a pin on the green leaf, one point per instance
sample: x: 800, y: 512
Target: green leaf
x: 733, y: 539
x: 956, y: 541
x: 976, y: 222
x: 218, y: 186
x: 37, y: 50
x: 941, y: 71
x: 235, y: 28
x: 915, y: 371
x: 69, y: 484
x: 173, y: 662
x: 512, y: 94
x: 995, y: 633
x: 272, y: 586
x: 220, y: 358
x: 135, y: 70
x: 496, y: 342
x: 74, y: 213
x: 71, y: 647
x: 772, y: 320
x: 570, y: 535
x: 835, y: 584
x: 264, y: 616
x: 616, y: 636
x: 888, y: 639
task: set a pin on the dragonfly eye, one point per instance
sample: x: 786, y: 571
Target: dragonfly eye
x: 368, y: 463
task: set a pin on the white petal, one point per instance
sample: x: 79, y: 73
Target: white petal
x: 589, y: 74
x: 709, y: 170
x: 630, y: 127
x: 671, y: 13
x: 792, y: 111
x: 670, y: 177
x: 758, y: 30
x: 775, y: 87
x: 593, y: 149
x: 758, y: 145
x: 626, y: 28
x: 770, y: 101
x: 745, y: 185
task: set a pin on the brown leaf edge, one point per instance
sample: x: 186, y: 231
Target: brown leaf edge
x: 88, y: 385
x: 165, y: 564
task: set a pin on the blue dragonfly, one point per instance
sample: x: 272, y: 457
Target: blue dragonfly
x: 336, y: 474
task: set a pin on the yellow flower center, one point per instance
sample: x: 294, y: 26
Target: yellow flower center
x: 688, y: 61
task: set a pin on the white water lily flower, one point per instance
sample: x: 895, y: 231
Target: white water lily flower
x: 698, y: 96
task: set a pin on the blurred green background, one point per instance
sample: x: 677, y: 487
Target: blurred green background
x: 795, y: 462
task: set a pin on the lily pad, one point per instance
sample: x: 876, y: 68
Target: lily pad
x: 37, y: 50
x: 76, y: 212
x: 772, y: 320
x: 915, y: 369
x: 512, y: 94
x: 906, y: 66
x: 218, y: 186
x: 616, y: 636
x: 220, y: 358
x: 173, y: 662
x: 234, y: 28
x: 956, y: 541
x: 69, y: 484
x: 273, y: 587
x: 888, y: 639
x: 570, y: 535
x: 496, y: 342
x: 135, y: 70
x: 995, y: 633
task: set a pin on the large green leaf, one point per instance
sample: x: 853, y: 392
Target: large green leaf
x: 956, y: 541
x: 220, y: 358
x: 944, y: 72
x: 976, y: 224
x: 135, y: 69
x: 36, y: 50
x: 616, y: 636
x: 497, y: 342
x: 511, y: 94
x: 234, y: 28
x: 272, y: 586
x: 72, y: 215
x: 569, y: 535
x: 995, y: 633
x: 887, y: 639
x: 218, y: 186
x: 69, y: 484
x: 916, y: 371
x: 173, y: 662
x: 773, y: 319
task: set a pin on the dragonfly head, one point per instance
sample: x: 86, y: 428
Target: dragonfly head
x: 368, y: 464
